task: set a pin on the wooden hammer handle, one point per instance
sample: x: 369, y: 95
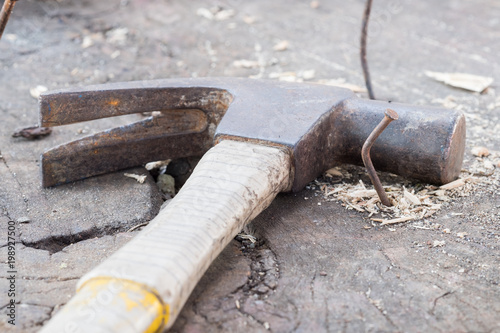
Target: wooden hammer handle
x: 144, y: 285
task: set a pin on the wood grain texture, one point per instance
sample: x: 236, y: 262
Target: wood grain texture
x: 231, y: 185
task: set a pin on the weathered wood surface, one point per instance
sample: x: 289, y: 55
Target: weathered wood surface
x: 318, y: 269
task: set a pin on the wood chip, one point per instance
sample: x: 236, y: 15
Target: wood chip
x: 411, y: 198
x: 333, y: 172
x: 206, y: 13
x: 438, y: 243
x: 461, y: 80
x: 24, y: 219
x: 308, y: 74
x: 439, y: 193
x: 216, y: 14
x: 224, y: 14
x: 488, y: 164
x: 285, y: 76
x: 396, y: 220
x: 156, y: 165
x: 117, y: 36
x: 138, y: 226
x: 37, y: 91
x: 454, y: 184
x: 245, y: 236
x: 87, y: 42
x: 244, y: 63
x: 362, y: 194
x: 249, y: 19
x: 281, y: 46
x: 480, y: 151
x: 343, y: 84
x: 140, y: 178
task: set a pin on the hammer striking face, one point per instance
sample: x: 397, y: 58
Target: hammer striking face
x: 269, y: 137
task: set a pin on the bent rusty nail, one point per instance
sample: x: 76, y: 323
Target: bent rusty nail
x: 7, y: 8
x: 390, y: 115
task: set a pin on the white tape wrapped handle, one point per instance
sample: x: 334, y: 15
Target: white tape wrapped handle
x: 143, y: 286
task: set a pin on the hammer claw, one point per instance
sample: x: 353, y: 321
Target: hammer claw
x: 170, y: 135
x: 189, y: 115
x: 69, y: 106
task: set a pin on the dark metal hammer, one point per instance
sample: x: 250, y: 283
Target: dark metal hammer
x: 267, y: 137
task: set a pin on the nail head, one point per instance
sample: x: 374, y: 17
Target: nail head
x: 392, y: 114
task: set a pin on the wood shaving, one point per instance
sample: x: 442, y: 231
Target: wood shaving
x: 343, y: 84
x: 307, y: 74
x: 37, y: 91
x: 488, y: 164
x: 247, y: 237
x: 244, y: 63
x: 480, y: 151
x: 394, y: 221
x: 140, y: 178
x: 411, y: 198
x: 117, y: 36
x: 138, y: 226
x: 157, y: 165
x: 24, y: 219
x: 281, y: 46
x: 411, y: 202
x: 249, y: 19
x: 461, y: 80
x: 215, y: 13
x: 333, y: 172
x: 87, y: 42
x: 454, y: 184
x: 438, y: 243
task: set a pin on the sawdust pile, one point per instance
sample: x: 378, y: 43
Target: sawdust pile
x: 411, y: 201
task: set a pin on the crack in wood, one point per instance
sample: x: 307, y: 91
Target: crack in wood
x: 438, y: 298
x: 20, y: 186
x: 260, y: 322
x: 55, y: 244
x: 46, y: 279
x: 376, y: 304
x: 264, y: 269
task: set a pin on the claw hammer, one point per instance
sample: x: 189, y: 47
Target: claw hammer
x: 258, y: 137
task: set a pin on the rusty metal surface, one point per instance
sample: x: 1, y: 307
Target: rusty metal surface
x: 175, y: 134
x: 426, y: 143
x: 321, y: 125
x: 185, y: 127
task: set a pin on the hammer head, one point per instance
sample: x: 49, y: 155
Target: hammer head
x: 320, y: 125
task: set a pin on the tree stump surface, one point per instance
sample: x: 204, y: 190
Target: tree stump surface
x: 316, y: 266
